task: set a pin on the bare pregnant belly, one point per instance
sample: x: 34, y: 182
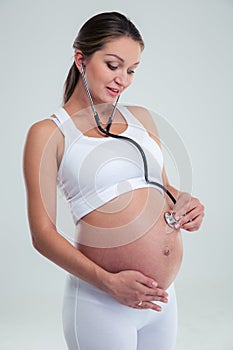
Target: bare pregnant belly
x: 130, y: 233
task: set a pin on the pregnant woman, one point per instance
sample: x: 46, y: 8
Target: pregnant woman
x: 119, y: 293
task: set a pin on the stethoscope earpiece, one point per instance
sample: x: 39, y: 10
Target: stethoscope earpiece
x: 83, y: 66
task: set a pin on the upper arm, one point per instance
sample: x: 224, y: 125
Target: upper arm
x: 40, y: 173
x: 144, y: 116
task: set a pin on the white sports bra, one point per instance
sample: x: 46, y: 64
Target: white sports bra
x: 93, y: 171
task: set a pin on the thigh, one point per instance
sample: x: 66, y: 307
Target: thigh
x: 160, y: 331
x: 91, y: 322
x: 99, y: 328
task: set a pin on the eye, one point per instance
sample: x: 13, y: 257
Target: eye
x: 130, y: 71
x: 115, y: 67
x: 111, y: 66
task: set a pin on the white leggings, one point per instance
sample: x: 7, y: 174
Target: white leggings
x: 93, y: 320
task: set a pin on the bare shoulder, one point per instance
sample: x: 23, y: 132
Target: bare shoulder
x: 145, y: 117
x: 141, y: 113
x: 42, y: 130
x: 43, y: 139
x: 42, y: 134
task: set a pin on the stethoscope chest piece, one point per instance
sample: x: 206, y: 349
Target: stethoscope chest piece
x: 170, y: 220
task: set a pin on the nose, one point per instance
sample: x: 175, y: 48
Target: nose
x: 122, y: 79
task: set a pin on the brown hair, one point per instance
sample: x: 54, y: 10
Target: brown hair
x: 93, y: 35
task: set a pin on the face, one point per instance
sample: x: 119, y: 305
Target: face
x: 110, y: 70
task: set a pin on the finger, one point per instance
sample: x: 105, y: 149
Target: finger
x: 186, y: 207
x: 183, y: 211
x: 146, y: 281
x: 190, y: 216
x: 162, y: 298
x: 158, y: 298
x: 149, y: 305
x: 194, y: 224
x: 190, y: 219
x: 189, y: 226
x: 158, y: 292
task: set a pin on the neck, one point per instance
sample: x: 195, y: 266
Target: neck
x: 80, y: 101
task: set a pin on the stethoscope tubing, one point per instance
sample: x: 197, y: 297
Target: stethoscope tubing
x: 126, y: 138
x: 145, y: 164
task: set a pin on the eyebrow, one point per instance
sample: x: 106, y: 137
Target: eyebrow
x: 119, y: 58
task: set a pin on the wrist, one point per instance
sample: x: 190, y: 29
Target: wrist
x: 104, y: 280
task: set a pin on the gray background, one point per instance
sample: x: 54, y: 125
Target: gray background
x: 186, y: 75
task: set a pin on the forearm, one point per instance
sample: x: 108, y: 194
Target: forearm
x: 58, y: 250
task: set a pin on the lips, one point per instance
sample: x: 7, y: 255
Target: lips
x: 113, y: 91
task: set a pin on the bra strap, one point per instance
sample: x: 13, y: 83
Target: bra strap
x: 66, y: 125
x: 57, y: 122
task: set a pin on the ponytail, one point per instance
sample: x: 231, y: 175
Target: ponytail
x: 70, y: 83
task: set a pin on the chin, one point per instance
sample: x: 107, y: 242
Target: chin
x: 112, y: 99
x: 106, y: 100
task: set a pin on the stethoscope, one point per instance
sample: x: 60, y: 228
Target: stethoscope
x: 169, y: 217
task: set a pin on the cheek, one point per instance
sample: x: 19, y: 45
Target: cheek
x: 93, y: 76
x: 96, y: 76
x: 130, y: 80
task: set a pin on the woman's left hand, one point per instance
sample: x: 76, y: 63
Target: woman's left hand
x: 189, y: 212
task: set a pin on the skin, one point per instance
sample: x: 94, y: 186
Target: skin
x: 109, y: 68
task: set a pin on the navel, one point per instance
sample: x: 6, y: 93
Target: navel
x: 167, y: 251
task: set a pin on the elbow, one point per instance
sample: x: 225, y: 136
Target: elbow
x: 37, y: 244
x: 41, y: 240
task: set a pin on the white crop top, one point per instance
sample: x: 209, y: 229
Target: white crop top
x: 95, y: 170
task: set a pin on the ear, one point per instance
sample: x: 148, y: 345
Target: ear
x: 79, y: 59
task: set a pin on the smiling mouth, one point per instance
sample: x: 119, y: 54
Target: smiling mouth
x: 115, y: 91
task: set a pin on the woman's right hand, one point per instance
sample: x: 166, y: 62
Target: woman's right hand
x: 134, y: 289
